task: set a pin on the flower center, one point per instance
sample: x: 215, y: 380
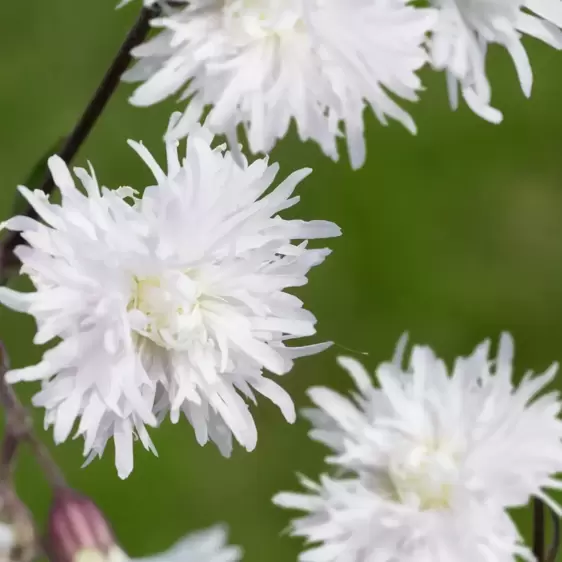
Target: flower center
x: 424, y: 476
x: 258, y: 19
x: 167, y: 309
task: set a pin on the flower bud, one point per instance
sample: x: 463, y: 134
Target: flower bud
x: 78, y: 531
x: 18, y: 539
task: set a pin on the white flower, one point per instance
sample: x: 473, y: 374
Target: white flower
x: 262, y: 63
x: 175, y: 302
x: 161, y: 3
x: 466, y: 27
x: 7, y: 540
x: 209, y: 545
x: 145, y: 2
x: 430, y: 462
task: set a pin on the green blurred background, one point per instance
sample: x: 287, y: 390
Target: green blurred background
x: 454, y: 235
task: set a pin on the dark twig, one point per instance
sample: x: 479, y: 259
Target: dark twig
x: 19, y: 429
x: 94, y: 109
x: 555, y: 545
x: 539, y: 529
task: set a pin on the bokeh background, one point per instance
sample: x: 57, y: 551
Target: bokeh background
x: 453, y: 235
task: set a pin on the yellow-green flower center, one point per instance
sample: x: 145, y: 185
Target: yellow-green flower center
x: 424, y: 477
x: 259, y: 19
x: 167, y: 309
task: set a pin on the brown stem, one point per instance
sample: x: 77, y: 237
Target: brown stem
x: 19, y: 429
x: 8, y: 453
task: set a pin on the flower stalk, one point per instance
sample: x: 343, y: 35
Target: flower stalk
x: 19, y: 429
x: 94, y: 109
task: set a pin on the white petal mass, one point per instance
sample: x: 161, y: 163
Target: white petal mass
x: 263, y: 63
x: 209, y: 545
x: 463, y: 32
x: 7, y: 540
x: 172, y: 301
x: 428, y: 464
x: 164, y: 4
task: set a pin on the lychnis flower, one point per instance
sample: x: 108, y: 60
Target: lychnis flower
x: 263, y: 63
x: 429, y: 463
x: 464, y: 30
x: 170, y: 301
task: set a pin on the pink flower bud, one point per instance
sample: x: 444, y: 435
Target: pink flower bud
x: 78, y: 531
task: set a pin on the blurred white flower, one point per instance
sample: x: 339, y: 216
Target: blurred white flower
x: 79, y: 532
x: 262, y: 63
x: 429, y: 463
x: 19, y: 541
x: 145, y: 2
x: 7, y: 539
x: 171, y: 301
x: 209, y: 545
x: 161, y: 3
x: 464, y: 30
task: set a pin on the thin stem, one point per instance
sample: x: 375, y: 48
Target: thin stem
x: 94, y: 109
x: 8, y: 453
x: 19, y: 428
x: 539, y: 528
x: 555, y: 546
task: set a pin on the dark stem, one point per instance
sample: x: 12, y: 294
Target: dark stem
x: 555, y: 545
x: 105, y: 90
x: 94, y: 109
x: 538, y: 530
x: 19, y: 429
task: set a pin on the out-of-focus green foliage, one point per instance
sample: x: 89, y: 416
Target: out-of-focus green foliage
x: 454, y: 235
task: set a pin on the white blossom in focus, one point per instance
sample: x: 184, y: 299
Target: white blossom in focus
x: 262, y: 63
x: 463, y: 32
x: 170, y: 301
x: 428, y: 464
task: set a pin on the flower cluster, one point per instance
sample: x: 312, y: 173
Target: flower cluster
x: 176, y: 298
x: 168, y: 302
x: 429, y: 462
x: 263, y: 63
